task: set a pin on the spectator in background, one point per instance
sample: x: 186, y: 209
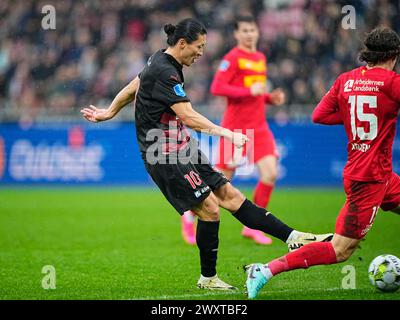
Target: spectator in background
x: 96, y: 41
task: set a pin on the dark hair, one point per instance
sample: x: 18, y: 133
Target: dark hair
x: 380, y: 45
x: 249, y: 19
x: 188, y: 29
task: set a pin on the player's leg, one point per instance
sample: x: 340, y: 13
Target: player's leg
x: 208, y: 225
x: 207, y: 241
x: 249, y: 214
x: 256, y: 235
x: 267, y: 167
x: 344, y: 247
x: 229, y: 158
x: 265, y: 156
x: 268, y: 170
x: 258, y: 218
x: 391, y: 201
x: 184, y: 188
x: 188, y: 219
x: 353, y: 223
x: 263, y: 153
x: 317, y: 253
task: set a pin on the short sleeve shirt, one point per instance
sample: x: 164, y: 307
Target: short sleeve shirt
x: 158, y: 129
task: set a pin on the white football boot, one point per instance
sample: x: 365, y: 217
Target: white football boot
x: 302, y: 239
x: 213, y: 283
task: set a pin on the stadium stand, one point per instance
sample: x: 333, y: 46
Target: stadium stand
x: 98, y: 46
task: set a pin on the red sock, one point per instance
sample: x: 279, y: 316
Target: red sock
x: 262, y: 193
x: 312, y: 254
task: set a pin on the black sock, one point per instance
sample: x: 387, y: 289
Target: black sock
x: 207, y: 241
x: 255, y: 217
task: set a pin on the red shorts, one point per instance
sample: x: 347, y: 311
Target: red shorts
x: 261, y: 144
x: 363, y: 202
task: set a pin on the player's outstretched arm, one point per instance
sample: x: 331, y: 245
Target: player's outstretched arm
x: 125, y: 96
x: 221, y: 88
x: 198, y: 122
x: 327, y: 111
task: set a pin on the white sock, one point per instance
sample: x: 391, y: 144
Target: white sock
x: 202, y: 278
x: 293, y: 235
x: 266, y: 272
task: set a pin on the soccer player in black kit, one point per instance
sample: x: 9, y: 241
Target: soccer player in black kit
x: 172, y: 158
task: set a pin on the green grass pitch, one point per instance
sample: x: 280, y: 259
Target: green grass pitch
x: 125, y: 243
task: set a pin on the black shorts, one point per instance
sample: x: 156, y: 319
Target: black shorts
x: 186, y: 185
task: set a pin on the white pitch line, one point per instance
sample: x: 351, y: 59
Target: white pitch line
x: 199, y: 295
x: 185, y: 296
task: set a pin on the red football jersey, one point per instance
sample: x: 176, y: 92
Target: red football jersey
x: 237, y: 71
x: 366, y: 101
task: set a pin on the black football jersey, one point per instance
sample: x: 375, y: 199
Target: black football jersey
x: 160, y: 133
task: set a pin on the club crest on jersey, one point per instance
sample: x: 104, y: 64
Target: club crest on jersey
x: 178, y: 89
x: 224, y: 65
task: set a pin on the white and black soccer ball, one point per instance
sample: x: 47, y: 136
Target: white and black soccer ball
x: 384, y: 273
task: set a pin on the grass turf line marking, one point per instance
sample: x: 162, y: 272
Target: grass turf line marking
x: 183, y: 296
x: 199, y: 295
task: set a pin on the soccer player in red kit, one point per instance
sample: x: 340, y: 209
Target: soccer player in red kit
x: 366, y: 101
x: 241, y: 78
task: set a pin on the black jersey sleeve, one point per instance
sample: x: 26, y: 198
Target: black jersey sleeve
x: 168, y: 88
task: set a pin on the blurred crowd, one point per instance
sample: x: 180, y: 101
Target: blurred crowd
x: 98, y: 46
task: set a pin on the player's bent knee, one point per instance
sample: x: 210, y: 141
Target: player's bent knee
x: 343, y: 253
x: 210, y: 209
x: 233, y: 199
x: 229, y: 193
x: 235, y: 194
x: 213, y: 213
x: 268, y: 171
x: 237, y: 200
x: 269, y: 178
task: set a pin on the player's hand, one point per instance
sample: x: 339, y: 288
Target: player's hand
x: 239, y: 139
x: 257, y: 88
x: 238, y: 158
x: 94, y: 114
x: 277, y: 97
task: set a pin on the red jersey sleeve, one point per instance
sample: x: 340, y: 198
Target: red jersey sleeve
x: 221, y: 86
x: 327, y: 111
x: 267, y: 98
x: 395, y: 89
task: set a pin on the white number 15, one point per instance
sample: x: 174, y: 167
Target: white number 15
x: 357, y: 102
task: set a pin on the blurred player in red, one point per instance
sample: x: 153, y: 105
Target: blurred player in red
x: 241, y: 78
x: 366, y: 101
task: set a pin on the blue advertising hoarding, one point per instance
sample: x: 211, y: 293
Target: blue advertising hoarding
x: 107, y: 153
x: 104, y: 153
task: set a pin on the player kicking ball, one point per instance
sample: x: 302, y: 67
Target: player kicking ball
x: 366, y: 101
x: 172, y: 158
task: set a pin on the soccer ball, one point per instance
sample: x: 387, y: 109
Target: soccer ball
x: 384, y: 272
